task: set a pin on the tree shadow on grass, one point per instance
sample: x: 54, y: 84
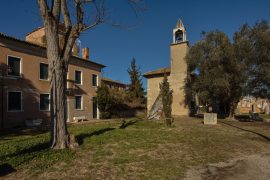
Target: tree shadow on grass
x: 80, y: 138
x: 125, y: 124
x: 6, y: 169
x: 259, y: 134
x: 29, y: 151
x: 24, y: 155
x: 21, y: 132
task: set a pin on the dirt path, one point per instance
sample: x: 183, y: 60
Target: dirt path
x: 246, y: 168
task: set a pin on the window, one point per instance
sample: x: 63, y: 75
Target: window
x: 43, y: 71
x: 14, y: 66
x: 14, y: 101
x: 94, y: 80
x: 44, y: 102
x: 78, y: 77
x: 78, y: 102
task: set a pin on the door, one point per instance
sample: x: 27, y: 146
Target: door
x: 95, y: 111
x: 67, y: 110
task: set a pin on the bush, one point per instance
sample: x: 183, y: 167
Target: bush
x: 111, y: 103
x: 105, y: 102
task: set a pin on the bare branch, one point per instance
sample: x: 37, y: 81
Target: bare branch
x: 56, y: 9
x: 69, y: 42
x: 44, y: 10
x: 137, y: 5
x: 66, y: 15
x: 99, y: 17
x: 80, y: 15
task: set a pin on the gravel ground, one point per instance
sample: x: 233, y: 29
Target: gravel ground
x: 245, y: 168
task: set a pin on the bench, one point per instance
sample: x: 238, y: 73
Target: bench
x: 33, y: 122
x: 255, y: 116
x: 79, y: 118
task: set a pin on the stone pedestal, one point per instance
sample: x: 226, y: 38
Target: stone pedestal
x: 210, y: 118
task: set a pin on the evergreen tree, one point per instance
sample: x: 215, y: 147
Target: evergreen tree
x: 167, y: 98
x: 135, y: 90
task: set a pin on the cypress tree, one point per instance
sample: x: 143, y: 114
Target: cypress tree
x: 167, y: 98
x: 135, y: 90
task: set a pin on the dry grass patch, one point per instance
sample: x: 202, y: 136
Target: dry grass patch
x: 139, y: 150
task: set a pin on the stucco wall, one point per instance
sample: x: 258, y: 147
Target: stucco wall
x: 153, y: 90
x: 176, y: 79
x: 31, y: 86
x: 178, y: 76
x: 37, y: 37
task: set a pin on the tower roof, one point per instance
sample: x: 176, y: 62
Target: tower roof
x: 179, y: 24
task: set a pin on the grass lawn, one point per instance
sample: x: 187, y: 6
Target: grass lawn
x: 265, y: 116
x: 138, y: 150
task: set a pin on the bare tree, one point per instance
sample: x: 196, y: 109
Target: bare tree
x: 57, y: 16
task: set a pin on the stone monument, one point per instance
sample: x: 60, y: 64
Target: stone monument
x: 210, y: 118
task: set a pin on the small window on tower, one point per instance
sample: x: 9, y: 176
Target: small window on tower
x: 179, y: 36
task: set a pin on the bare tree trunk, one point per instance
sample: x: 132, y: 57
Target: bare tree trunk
x: 59, y: 134
x: 59, y: 53
x: 232, y: 110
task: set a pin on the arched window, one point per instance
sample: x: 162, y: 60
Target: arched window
x: 178, y: 36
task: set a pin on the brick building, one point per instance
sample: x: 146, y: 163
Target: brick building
x: 249, y: 104
x: 24, y: 82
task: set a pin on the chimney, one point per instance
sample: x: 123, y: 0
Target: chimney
x: 85, y: 53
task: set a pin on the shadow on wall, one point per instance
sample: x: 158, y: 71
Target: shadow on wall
x: 30, y: 101
x: 75, y: 89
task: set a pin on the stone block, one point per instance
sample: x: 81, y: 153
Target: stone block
x: 210, y: 118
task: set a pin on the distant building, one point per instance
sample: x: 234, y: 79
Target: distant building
x: 177, y: 73
x: 113, y: 84
x: 251, y: 104
x: 25, y: 86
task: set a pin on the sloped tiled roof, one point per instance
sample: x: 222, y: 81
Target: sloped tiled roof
x: 29, y: 44
x: 157, y: 72
x: 111, y: 80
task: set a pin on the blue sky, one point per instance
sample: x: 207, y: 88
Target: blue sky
x: 145, y: 36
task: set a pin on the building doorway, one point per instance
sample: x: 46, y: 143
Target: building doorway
x: 95, y: 108
x: 67, y: 110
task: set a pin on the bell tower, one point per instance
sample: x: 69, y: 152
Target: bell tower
x: 179, y: 33
x: 178, y: 50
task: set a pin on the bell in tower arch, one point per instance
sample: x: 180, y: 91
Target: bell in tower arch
x: 179, y: 36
